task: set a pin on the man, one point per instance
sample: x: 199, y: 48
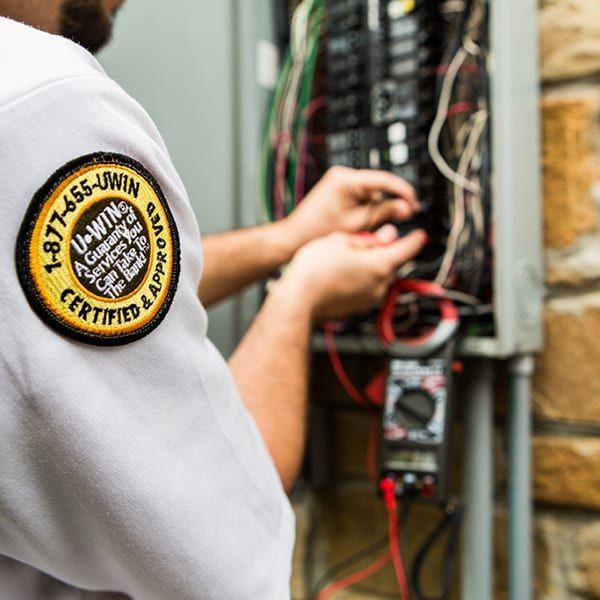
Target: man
x: 135, y: 463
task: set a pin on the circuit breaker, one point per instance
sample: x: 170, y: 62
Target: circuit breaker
x: 380, y: 71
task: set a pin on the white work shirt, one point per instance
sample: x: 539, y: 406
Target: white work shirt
x: 125, y: 471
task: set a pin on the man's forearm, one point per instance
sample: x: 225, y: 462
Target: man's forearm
x: 235, y: 259
x: 270, y: 368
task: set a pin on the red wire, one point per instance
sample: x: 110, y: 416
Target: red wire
x: 312, y: 108
x: 385, y: 321
x: 388, y: 488
x: 358, y: 397
x: 389, y: 495
x: 354, y: 578
x: 282, y: 139
x: 458, y: 108
x: 339, y: 370
x: 396, y: 554
x: 473, y: 69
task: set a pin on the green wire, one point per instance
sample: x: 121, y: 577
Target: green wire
x: 303, y: 102
x: 267, y: 204
x: 316, y: 17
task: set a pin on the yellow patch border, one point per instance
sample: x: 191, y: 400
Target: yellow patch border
x: 43, y: 253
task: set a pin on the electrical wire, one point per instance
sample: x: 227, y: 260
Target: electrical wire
x: 450, y: 522
x: 334, y: 588
x: 359, y: 398
x: 440, y: 118
x: 388, y: 487
x: 351, y: 390
x: 397, y: 559
x: 284, y: 152
x: 311, y: 109
x: 372, y: 591
x: 325, y: 591
x: 348, y: 563
x: 459, y: 156
x: 479, y: 120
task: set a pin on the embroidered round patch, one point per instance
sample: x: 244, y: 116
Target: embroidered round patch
x: 98, y: 252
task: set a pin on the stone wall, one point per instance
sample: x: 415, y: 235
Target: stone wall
x: 566, y: 446
x: 338, y: 520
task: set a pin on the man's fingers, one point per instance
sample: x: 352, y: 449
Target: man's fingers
x: 386, y: 235
x: 367, y: 182
x: 390, y: 210
x: 381, y: 237
x: 363, y: 241
x: 394, y: 255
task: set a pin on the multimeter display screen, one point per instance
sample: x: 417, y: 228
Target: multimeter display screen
x: 412, y: 460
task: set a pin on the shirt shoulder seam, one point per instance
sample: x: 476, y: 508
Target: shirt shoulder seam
x: 49, y: 85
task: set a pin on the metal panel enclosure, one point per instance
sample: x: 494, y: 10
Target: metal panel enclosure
x: 518, y: 279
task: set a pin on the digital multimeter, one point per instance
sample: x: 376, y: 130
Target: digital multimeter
x: 416, y: 426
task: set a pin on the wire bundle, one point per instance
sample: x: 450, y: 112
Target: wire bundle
x: 462, y: 157
x: 448, y: 527
x: 325, y: 589
x: 458, y: 145
x: 285, y: 143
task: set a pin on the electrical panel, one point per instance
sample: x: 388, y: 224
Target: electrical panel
x: 435, y: 92
x: 400, y: 88
x: 381, y: 60
x: 406, y: 86
x: 443, y: 93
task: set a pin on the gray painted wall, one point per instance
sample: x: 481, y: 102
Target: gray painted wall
x: 177, y: 60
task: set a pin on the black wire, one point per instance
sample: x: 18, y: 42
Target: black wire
x: 476, y: 281
x: 451, y: 521
x: 455, y: 43
x: 404, y: 526
x: 345, y: 564
x: 281, y: 12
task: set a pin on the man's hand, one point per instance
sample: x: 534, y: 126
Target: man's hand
x: 344, y: 200
x: 343, y: 273
x: 351, y: 200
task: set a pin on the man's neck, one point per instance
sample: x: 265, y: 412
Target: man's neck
x: 41, y: 14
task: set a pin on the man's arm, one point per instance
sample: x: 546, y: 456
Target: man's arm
x: 331, y: 277
x: 344, y: 200
x: 235, y: 259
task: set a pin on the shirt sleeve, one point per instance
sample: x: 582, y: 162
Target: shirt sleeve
x: 135, y: 468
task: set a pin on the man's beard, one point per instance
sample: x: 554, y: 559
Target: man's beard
x: 85, y: 22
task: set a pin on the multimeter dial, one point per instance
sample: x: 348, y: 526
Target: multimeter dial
x: 414, y: 409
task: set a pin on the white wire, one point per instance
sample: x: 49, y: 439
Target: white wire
x: 470, y: 46
x: 299, y: 49
x: 479, y: 120
x: 452, y: 6
x: 433, y: 142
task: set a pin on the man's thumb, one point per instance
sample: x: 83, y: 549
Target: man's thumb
x: 402, y: 250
